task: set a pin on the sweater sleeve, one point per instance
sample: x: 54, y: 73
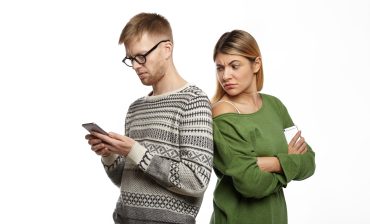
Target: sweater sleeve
x: 191, y: 172
x: 114, y: 164
x: 235, y: 157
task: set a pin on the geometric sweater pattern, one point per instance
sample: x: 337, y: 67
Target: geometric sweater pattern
x: 167, y: 183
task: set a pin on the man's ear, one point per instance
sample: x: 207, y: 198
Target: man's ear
x: 257, y: 65
x: 168, y: 46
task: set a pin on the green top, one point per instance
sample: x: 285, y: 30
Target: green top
x: 244, y: 194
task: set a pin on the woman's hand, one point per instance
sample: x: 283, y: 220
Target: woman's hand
x: 272, y: 164
x: 115, y: 143
x: 297, y: 145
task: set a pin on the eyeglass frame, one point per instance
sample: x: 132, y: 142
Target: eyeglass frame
x: 132, y: 59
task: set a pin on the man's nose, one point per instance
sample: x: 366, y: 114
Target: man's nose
x: 135, y: 64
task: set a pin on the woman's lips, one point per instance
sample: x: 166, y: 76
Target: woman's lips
x: 229, y: 86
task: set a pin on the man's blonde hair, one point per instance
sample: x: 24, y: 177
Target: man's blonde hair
x: 150, y: 23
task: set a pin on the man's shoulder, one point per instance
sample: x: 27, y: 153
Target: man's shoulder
x: 194, y: 90
x: 138, y: 101
x: 196, y: 95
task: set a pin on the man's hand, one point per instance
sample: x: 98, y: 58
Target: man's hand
x: 97, y: 145
x: 115, y: 143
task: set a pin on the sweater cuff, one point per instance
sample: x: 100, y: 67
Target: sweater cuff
x: 137, y: 153
x: 109, y: 160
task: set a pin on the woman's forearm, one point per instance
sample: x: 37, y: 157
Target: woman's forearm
x: 269, y: 164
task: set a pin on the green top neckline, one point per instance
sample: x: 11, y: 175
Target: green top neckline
x: 242, y: 114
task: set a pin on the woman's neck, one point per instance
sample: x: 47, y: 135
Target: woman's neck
x: 244, y: 97
x: 247, y: 102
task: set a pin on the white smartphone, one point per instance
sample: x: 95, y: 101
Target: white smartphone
x: 290, y: 132
x: 94, y: 127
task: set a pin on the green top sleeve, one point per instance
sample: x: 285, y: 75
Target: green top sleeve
x: 295, y: 166
x: 235, y: 157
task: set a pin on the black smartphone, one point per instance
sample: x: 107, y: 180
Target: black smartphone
x: 94, y: 127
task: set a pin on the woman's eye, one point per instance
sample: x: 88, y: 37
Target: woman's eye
x: 219, y: 69
x: 235, y: 66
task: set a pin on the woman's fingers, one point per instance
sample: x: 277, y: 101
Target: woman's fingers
x: 297, y: 145
x: 303, y: 148
x: 295, y: 138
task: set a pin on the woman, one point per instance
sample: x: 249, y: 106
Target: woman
x: 253, y: 161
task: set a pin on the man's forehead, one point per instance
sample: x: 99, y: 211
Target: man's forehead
x: 135, y: 46
x: 140, y: 44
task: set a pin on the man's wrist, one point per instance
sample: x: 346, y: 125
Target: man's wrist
x: 136, y: 153
x: 109, y: 160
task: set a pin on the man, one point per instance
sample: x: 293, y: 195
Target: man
x: 163, y: 163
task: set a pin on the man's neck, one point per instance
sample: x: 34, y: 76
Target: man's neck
x: 169, y: 82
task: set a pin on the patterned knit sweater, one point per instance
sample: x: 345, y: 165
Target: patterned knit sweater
x: 167, y: 171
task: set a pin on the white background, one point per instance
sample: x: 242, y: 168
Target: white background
x: 60, y: 66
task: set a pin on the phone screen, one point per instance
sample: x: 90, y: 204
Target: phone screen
x: 94, y: 127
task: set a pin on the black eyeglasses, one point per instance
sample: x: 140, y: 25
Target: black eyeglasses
x: 140, y: 58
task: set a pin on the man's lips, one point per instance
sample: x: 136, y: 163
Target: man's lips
x: 141, y: 75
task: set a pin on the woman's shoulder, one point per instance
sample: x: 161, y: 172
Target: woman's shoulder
x: 274, y: 103
x: 271, y: 98
x: 223, y: 107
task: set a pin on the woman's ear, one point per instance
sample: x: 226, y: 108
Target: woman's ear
x: 257, y: 65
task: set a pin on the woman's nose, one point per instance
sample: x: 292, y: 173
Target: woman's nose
x: 227, y: 74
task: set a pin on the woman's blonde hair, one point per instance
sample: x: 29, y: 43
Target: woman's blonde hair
x: 238, y: 42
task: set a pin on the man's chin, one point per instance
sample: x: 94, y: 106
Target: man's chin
x: 145, y: 82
